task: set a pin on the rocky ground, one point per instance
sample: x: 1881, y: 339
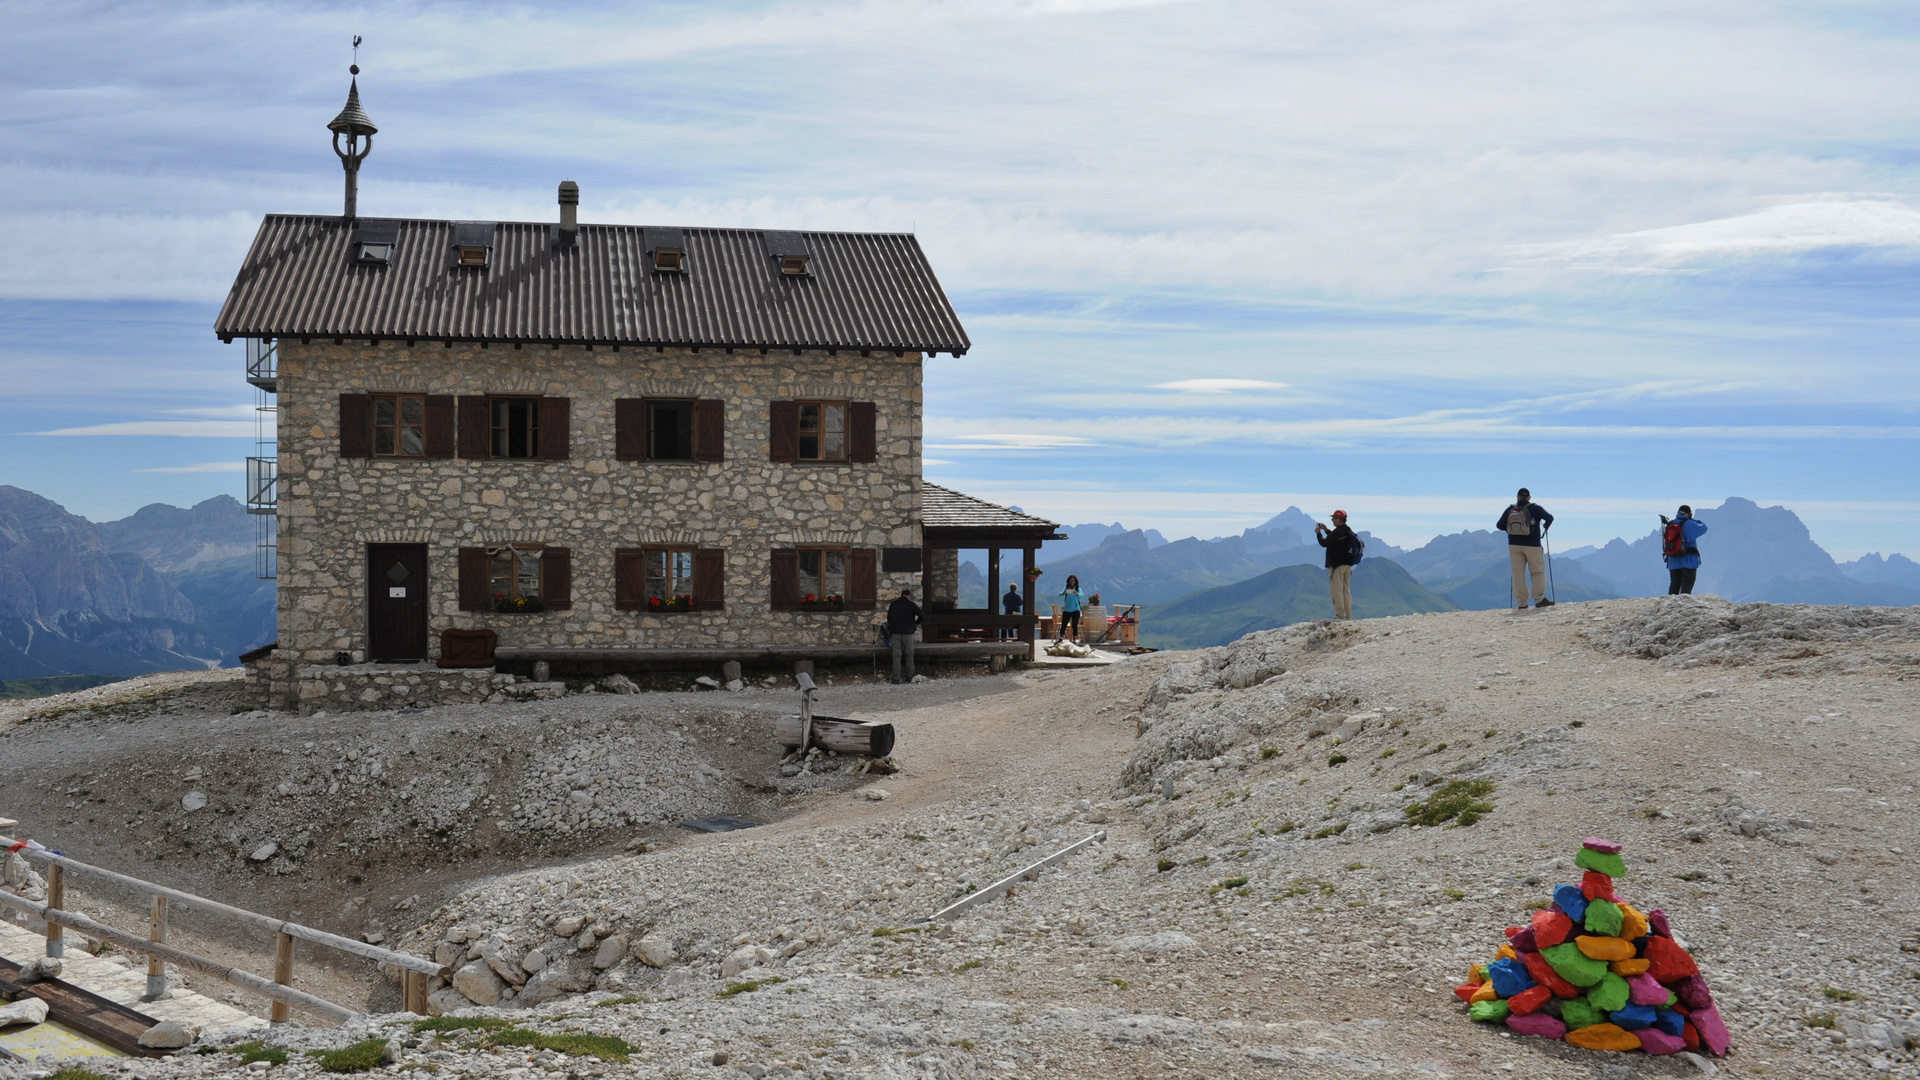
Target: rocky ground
x: 1264, y: 901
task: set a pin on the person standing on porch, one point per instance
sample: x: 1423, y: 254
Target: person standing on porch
x: 1069, y: 629
x: 1012, y: 602
x: 1339, y: 542
x: 903, y: 618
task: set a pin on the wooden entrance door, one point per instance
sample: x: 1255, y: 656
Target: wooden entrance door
x: 396, y: 602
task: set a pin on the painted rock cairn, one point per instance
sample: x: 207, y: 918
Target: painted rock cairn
x: 1593, y: 971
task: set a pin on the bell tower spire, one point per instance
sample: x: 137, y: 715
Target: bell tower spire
x: 352, y: 125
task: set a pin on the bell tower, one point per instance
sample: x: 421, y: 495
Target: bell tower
x: 352, y: 125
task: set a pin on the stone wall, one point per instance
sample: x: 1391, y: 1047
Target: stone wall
x: 363, y: 687
x: 331, y: 507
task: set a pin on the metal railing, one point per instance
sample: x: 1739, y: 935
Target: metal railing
x: 263, y: 363
x: 263, y: 483
x: 415, y: 971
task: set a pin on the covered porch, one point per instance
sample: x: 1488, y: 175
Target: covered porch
x: 950, y: 523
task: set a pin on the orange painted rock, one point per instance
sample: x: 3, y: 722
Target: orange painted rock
x: 1477, y: 974
x: 1544, y: 974
x: 1633, y: 925
x: 1604, y: 1037
x: 1529, y: 1000
x: 1605, y: 948
x: 1596, y: 886
x: 1550, y: 927
x: 1668, y: 962
x: 1627, y: 969
x: 1505, y: 952
x: 1483, y: 992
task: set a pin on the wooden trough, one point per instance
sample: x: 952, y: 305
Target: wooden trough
x: 840, y: 736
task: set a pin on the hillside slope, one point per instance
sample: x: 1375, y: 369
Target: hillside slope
x: 1281, y: 597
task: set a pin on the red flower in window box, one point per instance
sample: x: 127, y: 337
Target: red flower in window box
x: 682, y: 602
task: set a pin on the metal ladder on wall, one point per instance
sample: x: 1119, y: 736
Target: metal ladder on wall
x: 263, y: 466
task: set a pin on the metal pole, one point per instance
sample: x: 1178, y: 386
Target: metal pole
x: 156, y: 967
x: 56, y: 898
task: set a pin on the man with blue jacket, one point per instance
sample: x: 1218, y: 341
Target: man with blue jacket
x: 1526, y: 522
x: 1679, y: 539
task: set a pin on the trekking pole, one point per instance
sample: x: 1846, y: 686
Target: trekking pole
x: 1551, y: 591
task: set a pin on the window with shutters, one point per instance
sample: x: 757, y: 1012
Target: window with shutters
x: 823, y: 577
x: 514, y: 427
x: 823, y: 431
x: 669, y: 579
x: 669, y: 430
x: 514, y: 577
x: 399, y: 425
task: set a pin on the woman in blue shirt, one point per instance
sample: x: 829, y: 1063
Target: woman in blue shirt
x: 1070, y: 609
x: 1677, y: 543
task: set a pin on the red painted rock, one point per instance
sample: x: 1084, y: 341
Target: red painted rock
x: 1693, y: 992
x: 1646, y: 990
x: 1544, y: 974
x: 1529, y: 1000
x: 1713, y: 1032
x: 1466, y: 992
x: 1539, y: 1023
x: 1690, y: 1035
x: 1604, y: 847
x: 1657, y: 922
x: 1659, y: 1043
x: 1550, y: 927
x: 1596, y: 886
x: 1668, y: 962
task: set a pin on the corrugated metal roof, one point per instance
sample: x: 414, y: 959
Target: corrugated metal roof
x: 864, y: 290
x: 945, y: 508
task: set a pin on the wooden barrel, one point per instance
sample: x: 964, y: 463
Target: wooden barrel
x: 838, y: 735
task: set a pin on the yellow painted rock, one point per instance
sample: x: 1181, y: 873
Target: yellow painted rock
x: 1477, y: 974
x: 1627, y: 969
x: 1632, y: 923
x: 1506, y: 953
x: 1485, y: 993
x: 1605, y: 948
x: 1604, y: 1037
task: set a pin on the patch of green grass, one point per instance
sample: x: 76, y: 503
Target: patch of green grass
x: 1201, y: 861
x: 1230, y: 883
x: 1268, y: 753
x: 1491, y: 732
x: 466, y: 1023
x: 884, y: 931
x: 1121, y: 983
x: 969, y: 966
x: 1577, y: 723
x: 1165, y: 865
x: 1398, y: 787
x: 1287, y: 826
x: 1331, y: 830
x: 1336, y: 759
x: 964, y: 1044
x: 630, y: 999
x: 748, y: 987
x: 1352, y: 866
x: 1388, y: 752
x: 1459, y: 801
x: 604, y: 1047
x: 1834, y: 993
x: 363, y: 1056
x: 72, y: 1072
x: 256, y: 1050
x: 1455, y: 895
x: 1439, y: 747
x: 1823, y: 1020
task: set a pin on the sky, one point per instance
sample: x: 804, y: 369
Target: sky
x: 1215, y: 258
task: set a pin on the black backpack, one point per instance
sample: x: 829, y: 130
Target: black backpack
x: 1358, y: 550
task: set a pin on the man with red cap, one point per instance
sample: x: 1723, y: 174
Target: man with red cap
x: 1342, y: 552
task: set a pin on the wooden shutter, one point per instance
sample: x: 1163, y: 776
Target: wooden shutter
x: 710, y: 430
x: 629, y: 429
x: 863, y: 579
x: 783, y: 431
x: 863, y: 440
x: 356, y: 425
x: 475, y: 426
x: 709, y: 579
x: 785, y: 593
x: 629, y: 579
x: 439, y: 421
x: 555, y: 418
x: 556, y: 579
x: 473, y: 580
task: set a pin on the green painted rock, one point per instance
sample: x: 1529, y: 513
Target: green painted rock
x: 1491, y: 1011
x: 1603, y: 918
x: 1576, y: 967
x: 1578, y: 1014
x: 1671, y: 998
x: 1611, y: 993
x: 1610, y: 865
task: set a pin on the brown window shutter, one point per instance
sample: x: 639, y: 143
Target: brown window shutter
x: 473, y: 580
x: 556, y: 579
x: 785, y: 593
x: 439, y: 422
x: 863, y: 579
x: 356, y: 425
x: 629, y: 429
x: 475, y: 426
x: 710, y: 431
x: 629, y: 579
x: 555, y: 416
x: 709, y: 579
x: 783, y: 431
x: 863, y: 438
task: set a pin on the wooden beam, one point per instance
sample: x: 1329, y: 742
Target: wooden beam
x: 56, y: 898
x: 82, y: 1010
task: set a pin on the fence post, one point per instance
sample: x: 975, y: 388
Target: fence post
x: 156, y: 967
x: 56, y: 898
x: 282, y: 974
x: 415, y: 985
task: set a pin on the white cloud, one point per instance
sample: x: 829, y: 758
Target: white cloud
x: 1778, y: 230
x: 197, y: 429
x: 1217, y: 386
x: 1012, y: 440
x: 203, y: 467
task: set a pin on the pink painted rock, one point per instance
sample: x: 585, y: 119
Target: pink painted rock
x: 1657, y: 922
x: 1713, y: 1031
x: 1524, y: 941
x: 1539, y: 1023
x: 1644, y: 989
x: 1604, y: 847
x: 1693, y: 992
x: 1658, y: 1043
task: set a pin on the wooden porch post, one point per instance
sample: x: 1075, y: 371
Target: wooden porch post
x: 993, y: 579
x: 1027, y: 628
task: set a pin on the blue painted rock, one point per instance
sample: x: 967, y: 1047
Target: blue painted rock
x: 1509, y: 977
x: 1571, y: 901
x: 1633, y: 1017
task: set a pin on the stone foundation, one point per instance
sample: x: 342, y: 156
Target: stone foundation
x: 375, y: 687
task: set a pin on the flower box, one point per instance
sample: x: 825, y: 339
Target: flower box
x: 516, y: 605
x: 662, y: 604
x: 811, y: 602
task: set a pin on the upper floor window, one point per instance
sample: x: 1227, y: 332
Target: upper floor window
x: 823, y: 431
x: 399, y: 425
x: 669, y: 430
x: 514, y: 428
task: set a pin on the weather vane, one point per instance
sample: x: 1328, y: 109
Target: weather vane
x: 354, y: 68
x: 349, y: 129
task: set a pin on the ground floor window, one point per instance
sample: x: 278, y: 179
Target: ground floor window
x: 514, y: 576
x: 669, y: 578
x: 823, y: 575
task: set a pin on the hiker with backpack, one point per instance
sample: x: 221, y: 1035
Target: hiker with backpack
x: 1679, y: 537
x: 1526, y: 523
x: 1343, y: 551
